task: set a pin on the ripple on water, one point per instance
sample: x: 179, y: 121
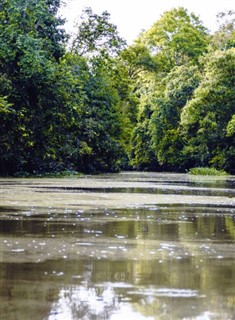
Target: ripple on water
x: 167, y: 292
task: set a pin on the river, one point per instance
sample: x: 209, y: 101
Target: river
x: 135, y: 246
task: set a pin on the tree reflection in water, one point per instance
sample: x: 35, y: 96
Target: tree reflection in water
x: 135, y: 246
x: 89, y: 303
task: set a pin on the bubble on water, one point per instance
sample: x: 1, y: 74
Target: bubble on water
x: 84, y: 244
x: 20, y: 250
x: 120, y: 237
x: 76, y: 277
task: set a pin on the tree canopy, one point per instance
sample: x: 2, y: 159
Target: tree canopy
x: 166, y: 102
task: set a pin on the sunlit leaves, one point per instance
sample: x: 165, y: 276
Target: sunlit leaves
x: 231, y: 127
x: 207, y: 119
x: 4, y: 105
x: 177, y: 37
x: 162, y: 103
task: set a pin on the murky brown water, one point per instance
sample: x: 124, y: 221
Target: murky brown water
x: 135, y: 246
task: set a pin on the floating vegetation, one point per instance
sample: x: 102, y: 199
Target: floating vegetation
x: 206, y: 171
x: 56, y: 174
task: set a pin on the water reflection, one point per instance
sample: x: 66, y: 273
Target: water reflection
x: 84, y: 289
x: 144, y: 260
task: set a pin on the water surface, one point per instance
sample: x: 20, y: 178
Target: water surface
x: 136, y: 246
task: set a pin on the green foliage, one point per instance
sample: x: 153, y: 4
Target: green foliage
x: 177, y: 38
x: 96, y: 35
x: 138, y: 60
x: 142, y: 155
x: 59, y: 111
x: 224, y: 38
x: 60, y: 174
x: 4, y: 105
x: 100, y: 126
x: 206, y: 119
x: 164, y: 103
x: 205, y: 171
x: 231, y: 127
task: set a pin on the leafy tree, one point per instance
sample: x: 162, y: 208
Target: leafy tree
x: 138, y: 60
x: 128, y: 101
x: 159, y: 120
x: 142, y: 154
x: 31, y: 44
x: 161, y: 103
x: 58, y: 111
x: 224, y: 38
x: 176, y: 38
x: 97, y: 35
x: 231, y: 127
x: 165, y: 53
x: 98, y: 41
x: 65, y: 99
x: 141, y: 71
x: 179, y: 86
x: 100, y: 123
x: 207, y: 119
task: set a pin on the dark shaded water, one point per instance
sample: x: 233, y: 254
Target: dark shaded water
x: 136, y: 246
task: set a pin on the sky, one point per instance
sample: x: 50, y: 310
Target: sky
x: 133, y: 16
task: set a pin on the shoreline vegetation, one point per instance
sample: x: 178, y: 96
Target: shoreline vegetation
x: 207, y: 172
x: 203, y: 171
x: 89, y: 103
x: 62, y: 174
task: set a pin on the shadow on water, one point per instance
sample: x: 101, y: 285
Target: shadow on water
x: 66, y: 255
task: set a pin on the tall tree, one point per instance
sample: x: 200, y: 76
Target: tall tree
x: 178, y: 37
x: 106, y: 115
x: 96, y: 35
x: 31, y: 43
x: 207, y: 119
x: 101, y: 124
x: 166, y: 140
x: 224, y: 37
x: 169, y: 55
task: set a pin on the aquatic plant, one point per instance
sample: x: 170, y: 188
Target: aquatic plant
x: 206, y: 171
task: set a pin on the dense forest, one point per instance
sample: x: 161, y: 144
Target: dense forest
x: 91, y: 103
